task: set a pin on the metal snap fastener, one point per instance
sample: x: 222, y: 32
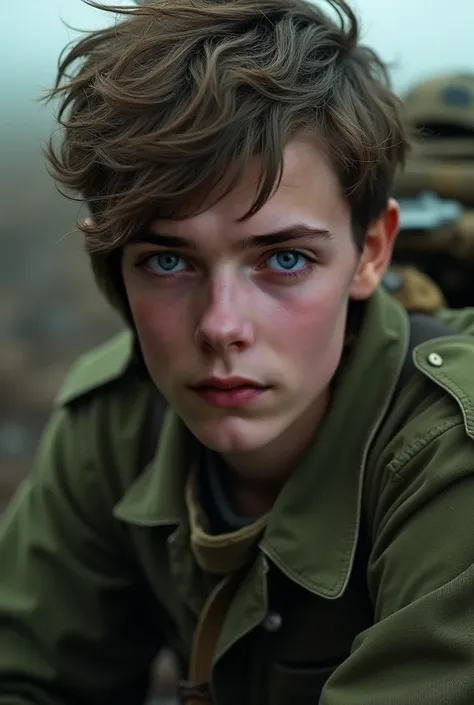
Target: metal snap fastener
x: 435, y: 359
x: 272, y: 622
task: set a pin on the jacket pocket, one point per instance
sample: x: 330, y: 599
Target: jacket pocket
x: 295, y: 685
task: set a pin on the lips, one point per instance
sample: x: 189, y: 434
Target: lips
x: 227, y: 383
x: 230, y: 392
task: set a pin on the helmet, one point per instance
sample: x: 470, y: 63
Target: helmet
x: 436, y: 188
x: 443, y: 104
x: 441, y: 111
x: 442, y: 108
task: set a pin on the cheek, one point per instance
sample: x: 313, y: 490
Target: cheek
x: 159, y: 328
x: 311, y: 320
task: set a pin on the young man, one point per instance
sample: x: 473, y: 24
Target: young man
x: 295, y: 526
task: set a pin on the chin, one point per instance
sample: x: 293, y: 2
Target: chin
x: 233, y: 435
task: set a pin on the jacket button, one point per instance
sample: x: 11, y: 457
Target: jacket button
x: 272, y: 622
x: 435, y: 359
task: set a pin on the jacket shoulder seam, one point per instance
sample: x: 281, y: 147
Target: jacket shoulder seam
x: 396, y: 466
x: 96, y: 368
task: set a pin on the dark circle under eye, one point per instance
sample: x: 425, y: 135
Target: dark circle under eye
x: 287, y: 260
x: 168, y: 262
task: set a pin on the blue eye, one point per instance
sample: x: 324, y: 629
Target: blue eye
x: 165, y: 263
x: 288, y: 261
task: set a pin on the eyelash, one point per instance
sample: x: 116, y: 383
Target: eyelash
x: 311, y: 262
x: 297, y: 274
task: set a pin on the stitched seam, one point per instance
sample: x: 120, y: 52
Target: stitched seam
x: 451, y: 387
x: 395, y: 466
x: 287, y: 570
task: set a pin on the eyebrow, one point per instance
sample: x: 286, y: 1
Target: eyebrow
x: 292, y: 232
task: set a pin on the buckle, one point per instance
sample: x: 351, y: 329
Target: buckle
x: 199, y: 692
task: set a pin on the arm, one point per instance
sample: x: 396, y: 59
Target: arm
x: 73, y: 627
x: 421, y: 574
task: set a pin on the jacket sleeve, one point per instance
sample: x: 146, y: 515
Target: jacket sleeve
x: 73, y: 623
x: 420, y: 650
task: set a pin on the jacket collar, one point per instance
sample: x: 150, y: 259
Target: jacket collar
x: 157, y: 497
x: 312, y: 531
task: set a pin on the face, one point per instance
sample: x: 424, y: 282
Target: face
x: 242, y: 324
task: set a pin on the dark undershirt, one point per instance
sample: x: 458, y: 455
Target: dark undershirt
x: 214, y: 496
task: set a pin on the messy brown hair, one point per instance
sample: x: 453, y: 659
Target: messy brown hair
x: 159, y: 108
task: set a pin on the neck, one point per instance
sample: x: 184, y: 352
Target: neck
x: 256, y: 478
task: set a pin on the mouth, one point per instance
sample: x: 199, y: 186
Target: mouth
x: 229, y: 392
x: 227, y: 383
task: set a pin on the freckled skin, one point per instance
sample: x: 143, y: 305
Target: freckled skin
x: 231, y: 312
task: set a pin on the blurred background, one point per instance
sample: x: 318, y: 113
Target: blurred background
x: 50, y: 310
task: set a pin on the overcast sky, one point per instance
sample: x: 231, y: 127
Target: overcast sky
x: 422, y: 37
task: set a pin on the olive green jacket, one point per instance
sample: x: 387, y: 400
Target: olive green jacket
x: 362, y: 592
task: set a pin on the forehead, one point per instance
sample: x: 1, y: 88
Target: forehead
x: 309, y: 191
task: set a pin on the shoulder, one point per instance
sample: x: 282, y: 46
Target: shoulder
x: 97, y: 369
x: 446, y: 370
x: 460, y: 320
x: 434, y: 412
x: 103, y: 408
x: 442, y: 388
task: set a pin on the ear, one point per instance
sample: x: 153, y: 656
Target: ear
x: 377, y: 252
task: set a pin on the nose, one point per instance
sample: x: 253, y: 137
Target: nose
x: 226, y: 321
